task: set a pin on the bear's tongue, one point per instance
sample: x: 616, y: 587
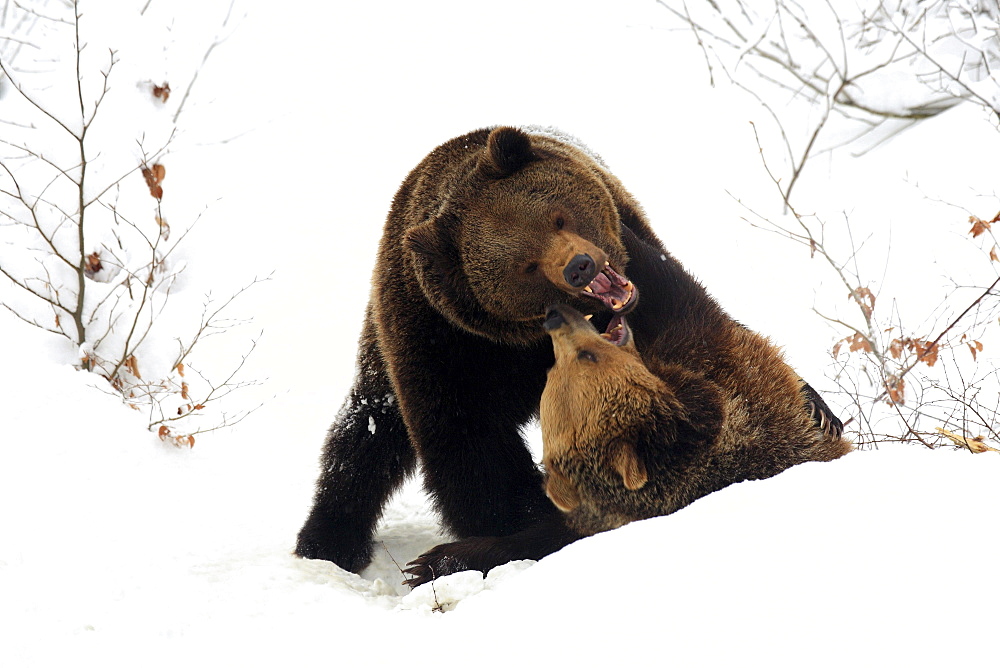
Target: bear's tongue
x: 611, y: 288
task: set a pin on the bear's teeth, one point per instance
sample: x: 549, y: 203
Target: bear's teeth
x: 588, y: 289
x: 588, y: 317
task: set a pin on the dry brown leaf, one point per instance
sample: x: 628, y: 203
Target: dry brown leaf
x: 859, y: 342
x: 154, y: 177
x: 856, y: 341
x: 976, y: 445
x: 164, y: 432
x: 979, y: 226
x: 926, y: 352
x: 162, y: 93
x: 897, y: 389
x: 92, y: 265
x: 132, y: 364
x: 862, y: 294
x: 164, y: 228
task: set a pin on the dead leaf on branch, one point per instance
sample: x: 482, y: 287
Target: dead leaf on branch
x: 162, y: 93
x: 154, y: 177
x: 861, y: 295
x: 980, y: 226
x: 926, y: 351
x: 856, y: 341
x: 92, y: 265
x: 180, y: 441
x: 164, y: 228
x: 976, y: 445
x: 132, y: 364
x: 896, y: 387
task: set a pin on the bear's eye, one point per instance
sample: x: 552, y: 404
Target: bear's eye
x: 587, y: 356
x: 560, y: 222
x: 531, y: 268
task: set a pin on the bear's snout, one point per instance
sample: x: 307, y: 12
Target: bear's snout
x: 580, y: 271
x: 558, y: 315
x: 553, y: 320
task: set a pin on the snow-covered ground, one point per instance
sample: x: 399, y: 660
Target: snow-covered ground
x: 118, y: 550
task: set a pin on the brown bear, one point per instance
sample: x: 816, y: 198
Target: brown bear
x: 632, y: 433
x: 483, y: 234
x: 486, y: 232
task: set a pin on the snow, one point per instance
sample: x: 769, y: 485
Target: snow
x: 121, y: 550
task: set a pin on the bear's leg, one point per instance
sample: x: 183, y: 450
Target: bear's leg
x: 366, y: 457
x: 465, y: 400
x: 465, y: 408
x: 484, y: 553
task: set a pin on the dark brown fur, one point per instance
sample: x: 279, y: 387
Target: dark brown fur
x: 452, y: 357
x: 707, y: 404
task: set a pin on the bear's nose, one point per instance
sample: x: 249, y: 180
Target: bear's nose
x: 580, y: 271
x: 553, y: 320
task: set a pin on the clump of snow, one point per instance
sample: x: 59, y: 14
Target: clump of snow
x: 561, y: 135
x: 447, y: 592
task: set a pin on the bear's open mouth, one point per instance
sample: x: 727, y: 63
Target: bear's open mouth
x: 616, y: 330
x: 612, y: 288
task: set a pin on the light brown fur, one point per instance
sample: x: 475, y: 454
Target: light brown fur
x: 629, y: 437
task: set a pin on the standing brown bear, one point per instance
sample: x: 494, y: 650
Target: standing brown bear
x: 483, y: 234
x: 708, y: 403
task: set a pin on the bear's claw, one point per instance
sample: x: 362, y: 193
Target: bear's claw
x: 434, y: 564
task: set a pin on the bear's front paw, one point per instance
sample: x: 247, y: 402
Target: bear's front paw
x: 471, y: 554
x: 434, y: 564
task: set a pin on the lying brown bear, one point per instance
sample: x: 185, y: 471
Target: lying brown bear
x: 704, y: 403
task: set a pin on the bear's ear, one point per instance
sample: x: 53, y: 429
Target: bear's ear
x: 507, y: 150
x: 626, y: 462
x: 559, y: 489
